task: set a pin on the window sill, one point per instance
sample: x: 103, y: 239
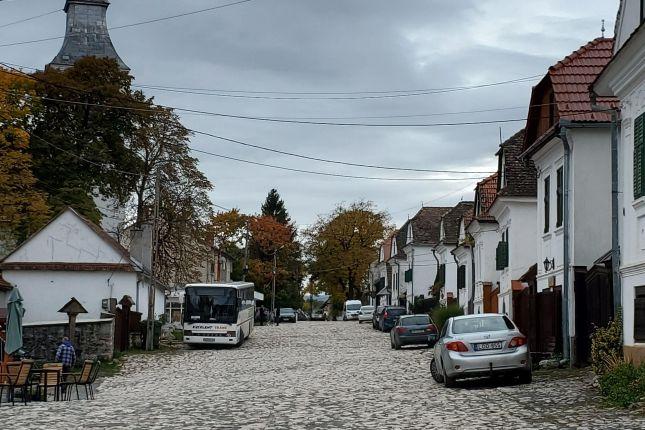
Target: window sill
x: 558, y: 231
x: 639, y: 203
x: 546, y: 236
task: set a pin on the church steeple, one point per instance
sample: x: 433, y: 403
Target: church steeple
x: 86, y: 34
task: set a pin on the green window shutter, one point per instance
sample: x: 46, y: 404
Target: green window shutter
x: 461, y: 277
x: 639, y: 148
x: 408, y: 275
x: 501, y: 256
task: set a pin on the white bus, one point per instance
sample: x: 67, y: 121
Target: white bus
x: 221, y: 313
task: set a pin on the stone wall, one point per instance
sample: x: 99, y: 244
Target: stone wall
x: 93, y: 339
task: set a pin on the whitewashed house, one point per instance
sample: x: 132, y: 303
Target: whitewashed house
x: 624, y: 78
x: 446, y: 280
x: 379, y: 278
x: 72, y: 257
x: 465, y: 264
x: 483, y: 230
x: 514, y: 210
x: 569, y: 142
x: 396, y: 268
x: 420, y: 239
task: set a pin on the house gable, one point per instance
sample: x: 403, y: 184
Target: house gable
x: 69, y: 238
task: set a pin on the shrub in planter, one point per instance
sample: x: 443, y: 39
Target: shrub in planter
x: 441, y: 314
x: 607, y: 345
x: 624, y: 384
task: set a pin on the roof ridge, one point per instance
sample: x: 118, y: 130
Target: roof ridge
x: 578, y: 52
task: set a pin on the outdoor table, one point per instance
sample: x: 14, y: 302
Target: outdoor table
x: 44, y: 376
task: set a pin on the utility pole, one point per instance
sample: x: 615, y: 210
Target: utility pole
x: 275, y: 263
x: 150, y: 326
x: 245, y: 269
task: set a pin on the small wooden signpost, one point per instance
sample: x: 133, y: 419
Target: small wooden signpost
x: 72, y: 309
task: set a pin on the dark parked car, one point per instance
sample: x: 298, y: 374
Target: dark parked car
x: 413, y: 330
x: 376, y: 315
x: 288, y: 314
x: 389, y: 316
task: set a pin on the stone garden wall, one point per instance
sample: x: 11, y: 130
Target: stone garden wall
x: 93, y: 339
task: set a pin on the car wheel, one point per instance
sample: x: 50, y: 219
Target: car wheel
x: 434, y: 372
x: 526, y: 377
x: 359, y: 321
x: 449, y: 382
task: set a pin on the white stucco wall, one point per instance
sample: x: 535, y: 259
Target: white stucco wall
x: 485, y: 236
x: 424, y: 270
x: 67, y: 239
x: 464, y: 258
x: 589, y: 206
x: 628, y: 20
x: 45, y: 292
x: 445, y: 257
x: 516, y: 216
x: 632, y: 221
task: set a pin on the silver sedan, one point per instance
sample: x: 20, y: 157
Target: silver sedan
x: 480, y: 345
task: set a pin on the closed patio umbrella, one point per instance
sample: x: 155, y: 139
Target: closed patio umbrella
x: 15, y: 312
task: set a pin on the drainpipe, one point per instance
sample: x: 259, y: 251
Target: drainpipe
x: 434, y: 254
x: 471, y: 299
x: 566, y: 345
x: 412, y: 281
x: 454, y: 257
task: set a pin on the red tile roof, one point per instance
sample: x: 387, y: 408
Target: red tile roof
x: 486, y: 192
x: 572, y: 76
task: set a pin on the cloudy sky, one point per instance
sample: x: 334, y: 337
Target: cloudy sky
x: 335, y: 46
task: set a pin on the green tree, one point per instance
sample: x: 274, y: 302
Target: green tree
x: 274, y: 207
x: 81, y: 149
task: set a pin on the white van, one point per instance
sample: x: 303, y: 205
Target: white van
x: 350, y: 309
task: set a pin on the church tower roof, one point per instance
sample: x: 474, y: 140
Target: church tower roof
x: 86, y: 34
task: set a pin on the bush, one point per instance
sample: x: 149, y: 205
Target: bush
x: 607, y: 345
x: 624, y: 384
x: 423, y: 305
x: 441, y: 314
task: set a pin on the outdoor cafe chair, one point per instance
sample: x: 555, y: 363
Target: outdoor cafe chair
x: 17, y: 377
x: 85, y: 378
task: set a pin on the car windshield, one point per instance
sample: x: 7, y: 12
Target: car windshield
x: 353, y: 307
x: 395, y: 311
x: 367, y: 308
x: 286, y: 311
x: 209, y: 304
x: 416, y: 320
x: 481, y: 324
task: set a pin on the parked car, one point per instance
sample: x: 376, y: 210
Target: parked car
x: 480, y: 345
x: 288, y: 314
x: 350, y: 309
x: 365, y: 313
x: 376, y: 315
x: 318, y: 315
x: 389, y: 316
x: 413, y: 330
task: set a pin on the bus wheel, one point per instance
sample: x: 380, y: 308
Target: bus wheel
x: 241, y: 341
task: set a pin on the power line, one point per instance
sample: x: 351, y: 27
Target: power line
x: 30, y: 18
x: 149, y: 21
x: 365, y: 94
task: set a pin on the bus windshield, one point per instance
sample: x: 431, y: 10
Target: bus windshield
x: 211, y: 305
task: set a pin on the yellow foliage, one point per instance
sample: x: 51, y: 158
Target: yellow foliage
x: 23, y: 208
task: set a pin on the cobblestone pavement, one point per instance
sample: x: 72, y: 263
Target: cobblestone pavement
x: 320, y: 375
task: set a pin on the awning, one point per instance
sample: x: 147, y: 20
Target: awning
x: 384, y: 292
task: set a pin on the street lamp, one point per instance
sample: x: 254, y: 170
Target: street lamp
x: 549, y: 264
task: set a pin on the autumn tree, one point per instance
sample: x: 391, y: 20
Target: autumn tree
x: 228, y: 230
x: 23, y: 208
x: 341, y: 246
x: 160, y: 143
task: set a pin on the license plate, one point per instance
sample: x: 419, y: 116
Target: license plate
x: 210, y: 339
x: 488, y: 346
x: 417, y: 331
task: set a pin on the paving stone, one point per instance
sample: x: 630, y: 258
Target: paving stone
x: 318, y: 375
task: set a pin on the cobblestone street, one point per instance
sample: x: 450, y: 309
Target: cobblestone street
x: 316, y: 375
